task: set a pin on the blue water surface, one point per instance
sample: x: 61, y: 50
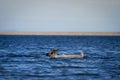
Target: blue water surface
x: 22, y: 57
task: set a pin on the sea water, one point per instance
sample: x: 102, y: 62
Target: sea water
x: 23, y: 57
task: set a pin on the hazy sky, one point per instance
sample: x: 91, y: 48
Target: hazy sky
x: 60, y: 15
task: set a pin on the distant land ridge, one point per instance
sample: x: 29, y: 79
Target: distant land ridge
x: 63, y: 33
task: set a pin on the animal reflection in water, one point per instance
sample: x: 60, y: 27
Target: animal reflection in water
x: 53, y: 54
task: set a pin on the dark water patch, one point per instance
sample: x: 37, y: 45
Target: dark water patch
x: 58, y: 67
x: 29, y: 75
x: 83, y: 74
x: 51, y: 76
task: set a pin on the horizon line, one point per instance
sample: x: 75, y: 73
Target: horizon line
x: 63, y: 33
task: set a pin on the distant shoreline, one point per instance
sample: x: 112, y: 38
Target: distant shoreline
x: 64, y: 33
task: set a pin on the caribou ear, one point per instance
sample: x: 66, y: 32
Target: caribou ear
x: 55, y: 49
